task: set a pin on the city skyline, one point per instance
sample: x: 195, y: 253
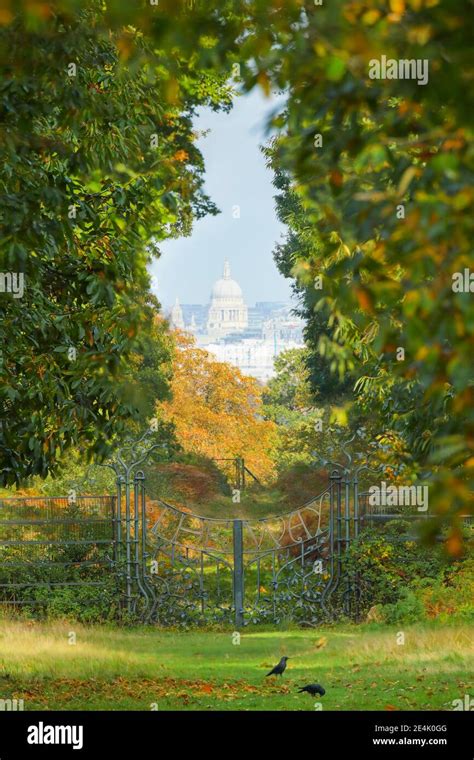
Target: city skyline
x: 248, y: 337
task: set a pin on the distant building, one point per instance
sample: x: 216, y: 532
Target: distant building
x: 267, y: 308
x: 247, y: 337
x: 227, y: 311
x: 176, y: 317
x: 283, y: 326
x: 252, y: 357
x: 199, y: 312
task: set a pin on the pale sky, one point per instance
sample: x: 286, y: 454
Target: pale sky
x: 235, y: 176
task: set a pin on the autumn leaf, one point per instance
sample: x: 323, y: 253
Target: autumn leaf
x: 454, y: 543
x: 365, y: 299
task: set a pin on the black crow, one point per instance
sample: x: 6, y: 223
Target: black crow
x: 313, y: 689
x: 279, y: 669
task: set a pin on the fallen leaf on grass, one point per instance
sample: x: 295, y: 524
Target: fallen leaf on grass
x: 320, y: 643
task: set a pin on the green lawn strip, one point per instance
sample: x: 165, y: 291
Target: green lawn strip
x: 115, y: 669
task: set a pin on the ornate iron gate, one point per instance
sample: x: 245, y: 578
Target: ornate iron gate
x: 181, y: 568
x: 201, y: 569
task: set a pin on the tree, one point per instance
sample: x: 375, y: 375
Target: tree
x: 312, y: 429
x: 289, y: 388
x: 329, y: 378
x: 382, y: 169
x: 375, y: 178
x: 99, y: 160
x: 216, y: 411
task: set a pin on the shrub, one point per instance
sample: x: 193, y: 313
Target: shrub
x: 408, y: 609
x: 86, y: 604
x: 407, y: 582
x: 191, y: 480
x: 384, y: 564
x: 300, y: 483
x: 452, y: 594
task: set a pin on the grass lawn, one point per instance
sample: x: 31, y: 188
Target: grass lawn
x: 254, y: 505
x: 361, y: 668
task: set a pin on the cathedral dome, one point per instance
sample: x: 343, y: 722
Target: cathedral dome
x: 227, y: 311
x: 226, y: 287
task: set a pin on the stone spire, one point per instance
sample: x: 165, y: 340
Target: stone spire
x: 177, y: 319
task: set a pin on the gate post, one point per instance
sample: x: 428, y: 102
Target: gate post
x: 356, y: 505
x: 128, y: 543
x: 339, y: 538
x: 237, y: 528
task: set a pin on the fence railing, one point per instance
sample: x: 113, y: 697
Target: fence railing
x: 186, y: 568
x: 52, y: 542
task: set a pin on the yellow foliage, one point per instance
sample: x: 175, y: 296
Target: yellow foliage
x: 217, y: 411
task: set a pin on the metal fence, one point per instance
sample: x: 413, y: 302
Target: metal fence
x: 55, y: 543
x: 180, y: 568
